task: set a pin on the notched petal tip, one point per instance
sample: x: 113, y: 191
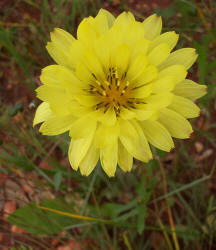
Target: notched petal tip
x: 204, y: 90
x: 152, y: 26
x: 48, y: 45
x: 43, y: 112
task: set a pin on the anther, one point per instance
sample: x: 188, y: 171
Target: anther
x: 116, y: 73
x: 104, y: 93
x: 98, y: 105
x: 102, y: 87
x: 94, y: 76
x: 105, y: 110
x: 98, y: 82
x: 98, y: 92
x: 125, y: 106
x: 124, y: 75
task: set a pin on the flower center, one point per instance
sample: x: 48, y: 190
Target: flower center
x: 114, y: 92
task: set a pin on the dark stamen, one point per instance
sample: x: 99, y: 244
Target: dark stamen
x: 94, y: 76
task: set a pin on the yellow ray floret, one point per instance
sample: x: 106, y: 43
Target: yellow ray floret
x: 117, y: 88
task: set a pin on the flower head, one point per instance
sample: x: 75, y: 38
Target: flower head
x: 117, y: 88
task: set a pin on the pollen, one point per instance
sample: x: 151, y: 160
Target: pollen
x: 114, y: 92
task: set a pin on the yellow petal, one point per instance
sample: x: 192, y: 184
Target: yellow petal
x: 143, y: 114
x: 59, y: 100
x: 176, y: 124
x: 43, y: 112
x: 77, y: 109
x: 190, y: 89
x: 90, y: 160
x: 68, y: 79
x: 157, y: 135
x: 109, y: 16
x: 159, y: 54
x: 121, y: 59
x: 133, y: 32
x: 102, y: 51
x: 59, y: 46
x: 170, y: 38
x: 106, y: 134
x: 86, y: 32
x: 109, y: 158
x: 185, y: 56
x: 56, y: 125
x: 87, y: 100
x: 134, y: 140
x: 117, y: 32
x: 78, y: 149
x: 142, y: 91
x: 127, y: 114
x: 152, y: 26
x: 62, y: 38
x: 84, y: 74
x: 163, y: 84
x: 82, y: 127
x: 140, y: 46
x: 137, y: 67
x: 124, y: 19
x: 144, y: 149
x: 125, y: 160
x: 178, y: 72
x: 101, y: 23
x: 75, y: 53
x: 160, y: 100
x: 154, y: 116
x: 56, y: 54
x: 109, y: 117
x: 93, y: 64
x: 61, y: 77
x: 51, y: 94
x: 185, y: 107
x: 148, y: 75
x: 48, y: 76
x: 128, y: 136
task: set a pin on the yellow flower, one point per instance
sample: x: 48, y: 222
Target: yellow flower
x: 117, y: 88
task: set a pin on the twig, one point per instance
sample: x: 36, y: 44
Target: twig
x: 169, y: 212
x: 205, y: 23
x: 126, y: 241
x: 69, y: 188
x: 166, y: 236
x: 100, y: 215
x: 51, y: 150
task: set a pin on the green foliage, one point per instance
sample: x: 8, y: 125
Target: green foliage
x: 6, y: 38
x: 21, y: 248
x: 39, y: 222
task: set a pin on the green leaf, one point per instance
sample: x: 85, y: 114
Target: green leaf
x: 13, y: 110
x: 113, y: 210
x: 142, y: 214
x: 36, y: 221
x: 57, y: 180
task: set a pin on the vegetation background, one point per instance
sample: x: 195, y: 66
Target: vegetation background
x: 169, y: 203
